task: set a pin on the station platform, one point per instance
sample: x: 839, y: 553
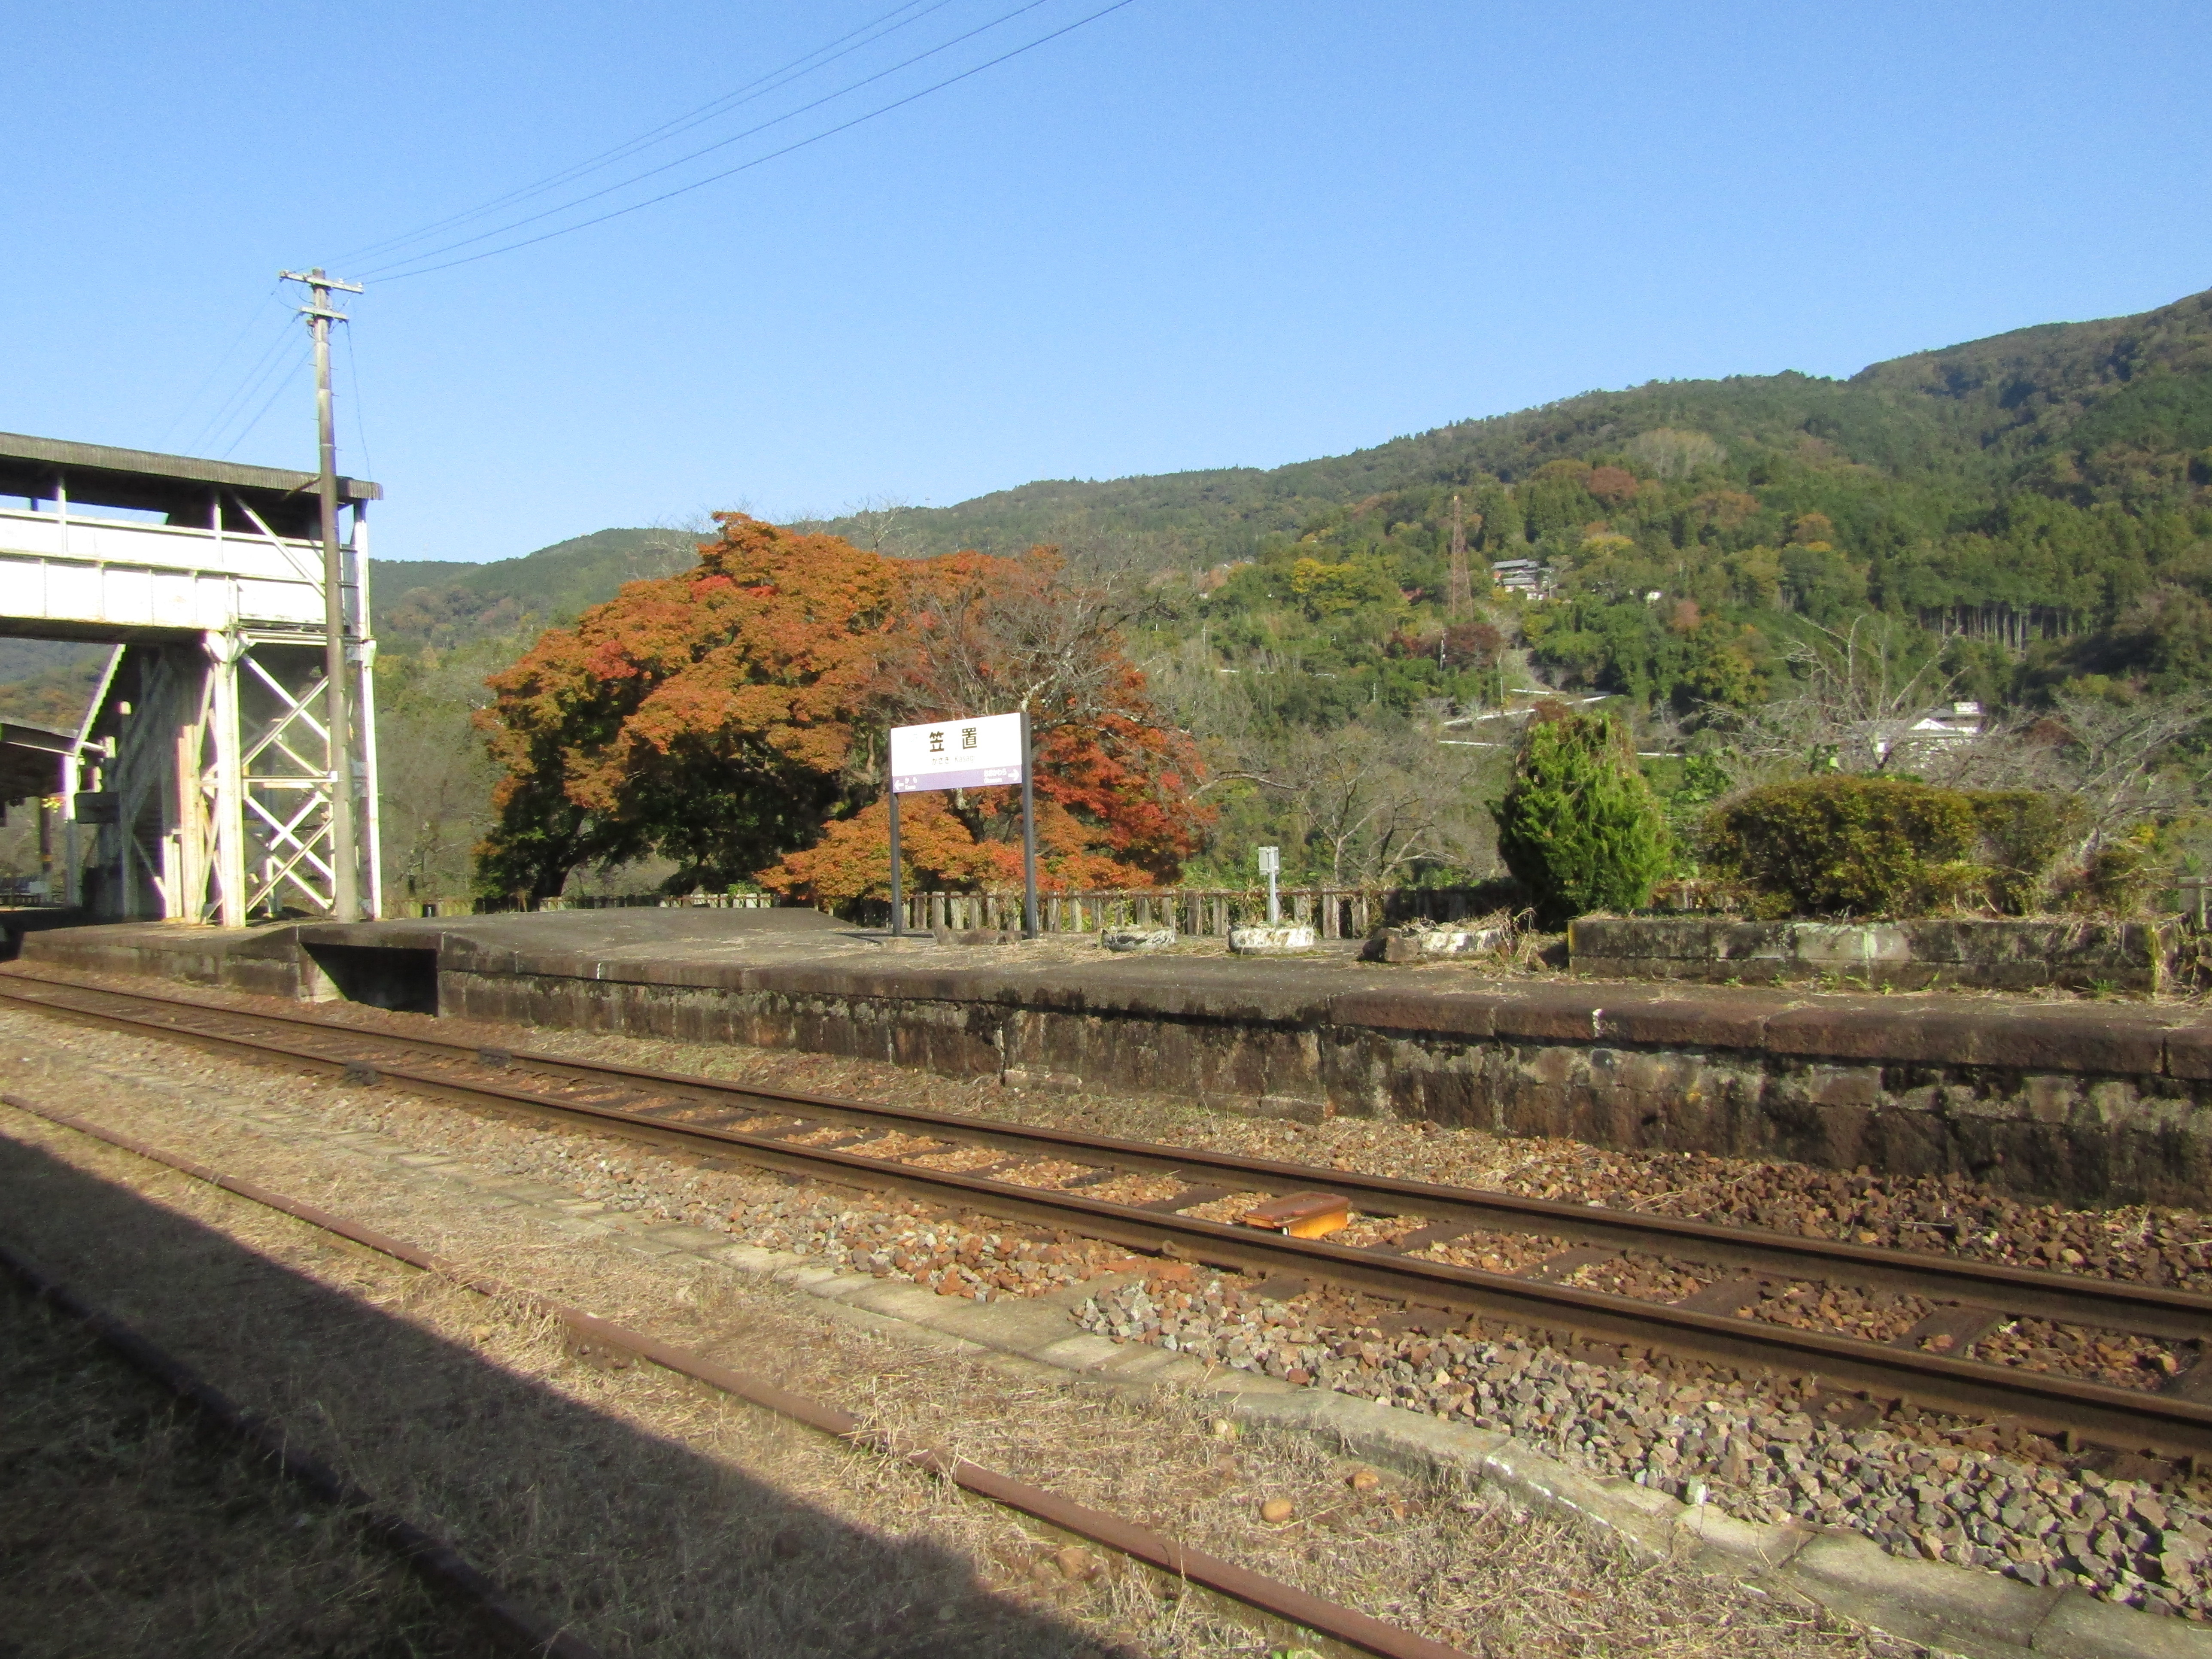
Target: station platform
x: 2093, y: 1100
x: 17, y: 920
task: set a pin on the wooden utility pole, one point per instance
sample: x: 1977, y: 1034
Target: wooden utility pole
x: 1461, y: 598
x: 345, y: 840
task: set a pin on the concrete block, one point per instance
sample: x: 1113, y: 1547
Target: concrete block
x: 1844, y: 945
x: 1470, y: 1014
x: 1270, y: 941
x: 2082, y: 1627
x: 1691, y: 1020
x: 2189, y: 1051
x: 1747, y: 1543
x: 1137, y: 939
x: 1556, y: 1013
x: 1987, y: 952
x: 1921, y: 1600
x: 1078, y: 1353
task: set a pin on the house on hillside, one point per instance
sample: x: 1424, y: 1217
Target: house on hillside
x: 1915, y: 742
x: 1527, y: 576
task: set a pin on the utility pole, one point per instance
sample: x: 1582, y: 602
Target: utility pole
x: 1460, y: 595
x: 345, y: 840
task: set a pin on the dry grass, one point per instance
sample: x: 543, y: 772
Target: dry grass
x: 130, y: 1527
x: 667, y: 1519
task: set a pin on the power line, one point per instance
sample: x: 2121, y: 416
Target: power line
x: 244, y: 393
x: 221, y: 363
x: 757, y: 88
x: 759, y: 161
x: 260, y: 413
x: 720, y: 143
x: 221, y: 414
x: 360, y: 425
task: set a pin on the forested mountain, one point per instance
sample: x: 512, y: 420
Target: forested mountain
x: 2058, y: 469
x: 2043, y: 497
x: 48, y: 682
x: 2044, y: 488
x: 428, y: 602
x: 2035, y: 509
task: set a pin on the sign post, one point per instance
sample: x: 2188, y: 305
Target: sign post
x: 898, y: 906
x: 1271, y: 865
x: 983, y: 751
x: 1029, y: 837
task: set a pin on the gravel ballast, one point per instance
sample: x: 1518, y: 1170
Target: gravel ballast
x: 1928, y: 1488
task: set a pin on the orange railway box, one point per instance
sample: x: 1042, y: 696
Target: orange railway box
x: 1301, y: 1215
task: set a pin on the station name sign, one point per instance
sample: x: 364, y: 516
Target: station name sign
x: 974, y: 753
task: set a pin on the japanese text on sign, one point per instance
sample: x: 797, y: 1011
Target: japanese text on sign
x: 974, y: 753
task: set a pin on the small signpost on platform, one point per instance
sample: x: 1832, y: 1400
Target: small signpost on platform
x: 981, y: 751
x: 1271, y: 865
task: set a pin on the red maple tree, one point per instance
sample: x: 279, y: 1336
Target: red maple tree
x: 731, y: 717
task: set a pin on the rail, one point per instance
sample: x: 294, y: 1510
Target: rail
x: 1139, y: 1542
x: 829, y: 1138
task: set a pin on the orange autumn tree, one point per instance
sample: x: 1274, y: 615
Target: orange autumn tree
x: 730, y: 717
x: 1114, y: 784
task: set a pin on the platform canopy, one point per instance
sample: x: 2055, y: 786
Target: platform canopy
x: 32, y: 761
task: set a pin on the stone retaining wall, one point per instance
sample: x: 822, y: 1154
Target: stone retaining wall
x: 1992, y: 953
x: 2093, y: 1103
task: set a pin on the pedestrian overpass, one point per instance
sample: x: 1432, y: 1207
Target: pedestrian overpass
x: 200, y: 788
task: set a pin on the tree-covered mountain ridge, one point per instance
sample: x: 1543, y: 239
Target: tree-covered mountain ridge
x: 1743, y: 563
x: 2082, y: 411
x: 2034, y: 485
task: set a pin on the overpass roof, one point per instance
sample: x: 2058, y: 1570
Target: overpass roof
x: 143, y: 479
x: 31, y: 760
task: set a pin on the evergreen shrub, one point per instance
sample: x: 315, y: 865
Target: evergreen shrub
x: 2023, y: 832
x: 1579, y: 826
x: 1887, y: 847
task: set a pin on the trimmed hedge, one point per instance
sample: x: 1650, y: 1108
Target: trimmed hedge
x: 1873, y: 846
x: 1579, y: 826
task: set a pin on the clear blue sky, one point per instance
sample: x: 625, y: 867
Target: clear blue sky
x: 1192, y: 233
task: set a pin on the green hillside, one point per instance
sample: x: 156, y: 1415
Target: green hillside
x: 2037, y: 486
x: 444, y: 605
x: 2032, y: 512
x: 48, y: 682
x: 2044, y: 497
x: 1906, y: 457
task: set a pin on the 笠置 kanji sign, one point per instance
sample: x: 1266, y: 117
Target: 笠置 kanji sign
x: 974, y: 753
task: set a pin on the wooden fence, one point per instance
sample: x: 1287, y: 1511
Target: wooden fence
x: 491, y: 907
x: 1334, y: 912
x: 1337, y: 912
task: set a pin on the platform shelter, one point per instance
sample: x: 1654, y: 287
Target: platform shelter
x: 200, y: 786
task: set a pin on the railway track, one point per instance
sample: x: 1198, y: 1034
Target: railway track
x: 1418, y: 1236
x: 522, y: 1629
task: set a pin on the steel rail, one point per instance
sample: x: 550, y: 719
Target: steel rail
x: 1257, y: 1590
x: 514, y: 1626
x: 2112, y: 1304
x: 2125, y: 1418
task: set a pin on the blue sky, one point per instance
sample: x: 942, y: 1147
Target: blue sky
x: 1190, y: 233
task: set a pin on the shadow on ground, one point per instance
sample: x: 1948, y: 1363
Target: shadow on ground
x: 644, y: 1544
